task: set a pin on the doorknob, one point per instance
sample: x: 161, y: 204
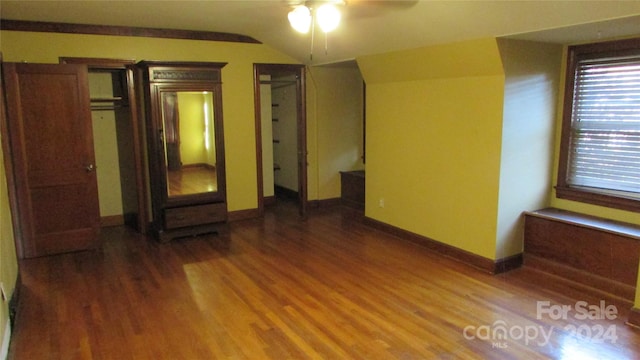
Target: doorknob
x: 90, y: 168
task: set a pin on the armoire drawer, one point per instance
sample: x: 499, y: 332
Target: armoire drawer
x: 194, y: 215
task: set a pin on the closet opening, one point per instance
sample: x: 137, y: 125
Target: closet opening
x: 119, y: 167
x: 281, y: 134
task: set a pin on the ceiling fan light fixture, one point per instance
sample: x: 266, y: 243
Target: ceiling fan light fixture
x: 300, y: 19
x: 328, y: 17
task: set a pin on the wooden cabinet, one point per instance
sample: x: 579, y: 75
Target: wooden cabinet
x: 185, y: 138
x: 185, y: 216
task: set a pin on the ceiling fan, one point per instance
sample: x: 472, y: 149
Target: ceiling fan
x: 355, y: 8
x: 305, y: 14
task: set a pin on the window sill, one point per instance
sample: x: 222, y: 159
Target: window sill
x: 591, y: 197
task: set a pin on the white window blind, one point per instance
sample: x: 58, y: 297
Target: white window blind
x: 605, y: 138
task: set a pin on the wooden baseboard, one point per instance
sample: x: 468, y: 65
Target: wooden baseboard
x: 269, y: 200
x: 113, y: 220
x: 324, y: 203
x: 477, y: 261
x: 634, y: 317
x: 508, y: 263
x: 243, y: 214
x: 283, y: 192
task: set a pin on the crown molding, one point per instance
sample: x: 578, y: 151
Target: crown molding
x: 40, y: 26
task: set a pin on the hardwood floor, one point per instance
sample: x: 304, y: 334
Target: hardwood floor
x: 325, y: 288
x: 192, y: 180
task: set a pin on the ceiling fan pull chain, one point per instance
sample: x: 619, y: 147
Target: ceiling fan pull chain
x: 313, y: 28
x: 326, y: 42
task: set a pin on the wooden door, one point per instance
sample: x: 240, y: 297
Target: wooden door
x: 49, y: 123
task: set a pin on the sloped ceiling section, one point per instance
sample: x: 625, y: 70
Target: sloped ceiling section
x: 452, y: 60
x: 368, y: 26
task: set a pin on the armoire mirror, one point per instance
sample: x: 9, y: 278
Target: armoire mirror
x: 188, y: 125
x: 185, y: 147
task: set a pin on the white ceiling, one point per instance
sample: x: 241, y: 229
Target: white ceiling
x: 368, y: 26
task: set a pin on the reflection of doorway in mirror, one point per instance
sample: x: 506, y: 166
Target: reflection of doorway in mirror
x: 171, y: 130
x: 197, y: 173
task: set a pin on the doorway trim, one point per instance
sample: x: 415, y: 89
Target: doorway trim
x: 301, y: 107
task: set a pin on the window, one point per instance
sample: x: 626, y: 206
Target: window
x: 600, y: 146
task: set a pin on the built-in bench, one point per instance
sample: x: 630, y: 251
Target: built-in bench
x: 595, y: 252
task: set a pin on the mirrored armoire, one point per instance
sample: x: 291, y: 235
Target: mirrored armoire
x: 185, y: 143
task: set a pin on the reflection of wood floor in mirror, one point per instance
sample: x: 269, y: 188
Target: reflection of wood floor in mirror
x: 192, y: 180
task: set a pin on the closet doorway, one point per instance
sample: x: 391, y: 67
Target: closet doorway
x: 119, y: 159
x: 281, y: 136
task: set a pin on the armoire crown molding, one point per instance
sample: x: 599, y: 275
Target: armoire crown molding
x: 40, y: 26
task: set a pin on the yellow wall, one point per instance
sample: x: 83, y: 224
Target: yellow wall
x: 105, y: 146
x: 435, y: 128
x: 434, y: 121
x: 339, y: 115
x: 8, y: 260
x: 191, y: 114
x: 532, y: 72
x: 464, y: 137
x: 237, y: 77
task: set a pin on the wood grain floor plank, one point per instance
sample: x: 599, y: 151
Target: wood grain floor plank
x: 329, y: 287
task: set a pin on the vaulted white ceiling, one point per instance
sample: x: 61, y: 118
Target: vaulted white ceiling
x: 368, y: 26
